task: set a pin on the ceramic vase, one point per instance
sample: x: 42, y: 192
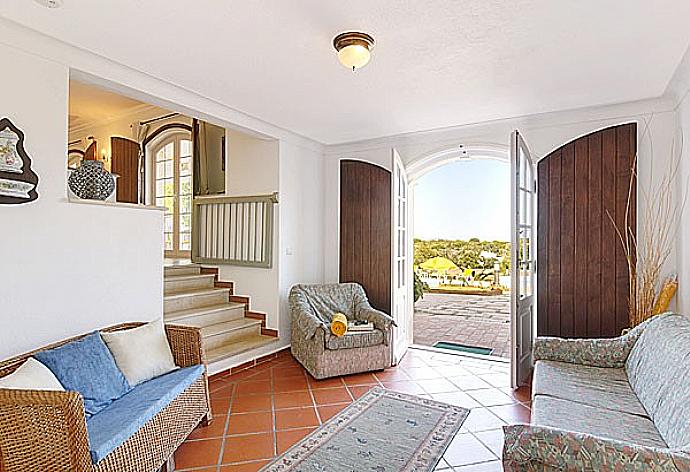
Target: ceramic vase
x: 91, y: 181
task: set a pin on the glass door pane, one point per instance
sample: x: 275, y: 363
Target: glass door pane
x: 173, y: 190
x: 185, y: 196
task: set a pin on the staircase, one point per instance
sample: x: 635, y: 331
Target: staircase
x: 191, y: 298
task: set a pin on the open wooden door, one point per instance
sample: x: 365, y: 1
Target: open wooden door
x: 401, y: 281
x: 522, y: 263
x: 125, y: 163
x: 582, y: 273
x: 365, y: 229
x: 91, y: 152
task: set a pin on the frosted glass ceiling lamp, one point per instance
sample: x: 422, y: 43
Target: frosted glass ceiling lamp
x: 354, y: 49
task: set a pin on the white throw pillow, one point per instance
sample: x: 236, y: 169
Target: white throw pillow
x: 141, y: 353
x: 31, y: 375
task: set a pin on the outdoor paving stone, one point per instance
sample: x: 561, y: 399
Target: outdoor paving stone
x: 476, y: 320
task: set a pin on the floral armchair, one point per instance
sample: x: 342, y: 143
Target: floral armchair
x: 325, y: 355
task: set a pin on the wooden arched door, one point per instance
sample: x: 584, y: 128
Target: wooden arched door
x: 582, y: 273
x: 365, y: 229
x: 125, y: 163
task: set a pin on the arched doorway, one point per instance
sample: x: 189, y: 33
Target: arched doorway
x: 461, y: 223
x: 169, y: 177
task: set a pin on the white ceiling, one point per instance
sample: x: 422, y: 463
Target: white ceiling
x: 436, y: 63
x: 91, y: 106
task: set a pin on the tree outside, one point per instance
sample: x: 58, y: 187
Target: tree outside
x: 466, y: 254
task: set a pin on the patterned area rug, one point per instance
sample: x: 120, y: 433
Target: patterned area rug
x: 383, y: 431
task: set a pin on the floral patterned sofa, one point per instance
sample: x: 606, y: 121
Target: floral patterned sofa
x: 609, y: 404
x: 325, y: 355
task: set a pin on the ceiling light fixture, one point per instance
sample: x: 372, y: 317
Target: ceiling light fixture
x: 354, y: 49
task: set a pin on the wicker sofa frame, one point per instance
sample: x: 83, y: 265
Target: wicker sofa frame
x: 46, y: 430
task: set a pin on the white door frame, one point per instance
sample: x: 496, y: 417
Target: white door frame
x: 522, y: 262
x: 450, y: 154
x: 402, y: 291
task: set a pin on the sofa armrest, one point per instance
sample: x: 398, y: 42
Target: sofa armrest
x: 43, y: 430
x: 185, y: 344
x: 538, y: 448
x: 188, y: 350
x: 602, y: 352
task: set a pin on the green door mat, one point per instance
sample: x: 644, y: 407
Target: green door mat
x: 463, y: 348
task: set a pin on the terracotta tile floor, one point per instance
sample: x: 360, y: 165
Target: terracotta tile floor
x: 261, y: 412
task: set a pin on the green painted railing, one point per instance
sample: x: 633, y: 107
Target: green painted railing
x: 234, y: 230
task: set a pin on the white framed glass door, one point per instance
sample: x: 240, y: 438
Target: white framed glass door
x: 173, y: 190
x: 523, y: 264
x: 401, y: 291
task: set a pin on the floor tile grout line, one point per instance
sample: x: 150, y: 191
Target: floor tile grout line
x: 313, y: 401
x: 241, y: 462
x: 474, y: 435
x: 273, y: 415
x: 256, y: 433
x: 347, y: 389
x: 225, y: 429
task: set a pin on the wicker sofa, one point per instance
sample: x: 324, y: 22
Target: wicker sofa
x: 609, y: 404
x: 47, y: 430
x: 325, y: 355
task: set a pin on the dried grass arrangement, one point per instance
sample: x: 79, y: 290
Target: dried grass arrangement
x: 646, y: 254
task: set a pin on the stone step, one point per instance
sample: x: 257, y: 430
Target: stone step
x: 195, y: 299
x: 181, y: 269
x: 181, y: 283
x: 229, y: 333
x: 239, y: 347
x: 208, y: 315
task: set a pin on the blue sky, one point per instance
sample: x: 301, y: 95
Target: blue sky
x: 464, y: 200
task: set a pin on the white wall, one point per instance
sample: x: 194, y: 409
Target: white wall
x: 252, y: 169
x: 683, y: 239
x: 543, y: 133
x: 301, y: 222
x: 66, y: 268
x: 260, y: 166
x: 679, y: 90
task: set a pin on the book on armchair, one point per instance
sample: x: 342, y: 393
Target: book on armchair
x: 356, y: 327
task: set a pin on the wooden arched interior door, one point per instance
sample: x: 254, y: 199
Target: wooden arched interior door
x: 90, y: 153
x: 125, y: 163
x: 365, y: 230
x: 582, y: 272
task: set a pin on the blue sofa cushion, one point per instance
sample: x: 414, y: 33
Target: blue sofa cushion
x: 124, y: 417
x: 87, y: 366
